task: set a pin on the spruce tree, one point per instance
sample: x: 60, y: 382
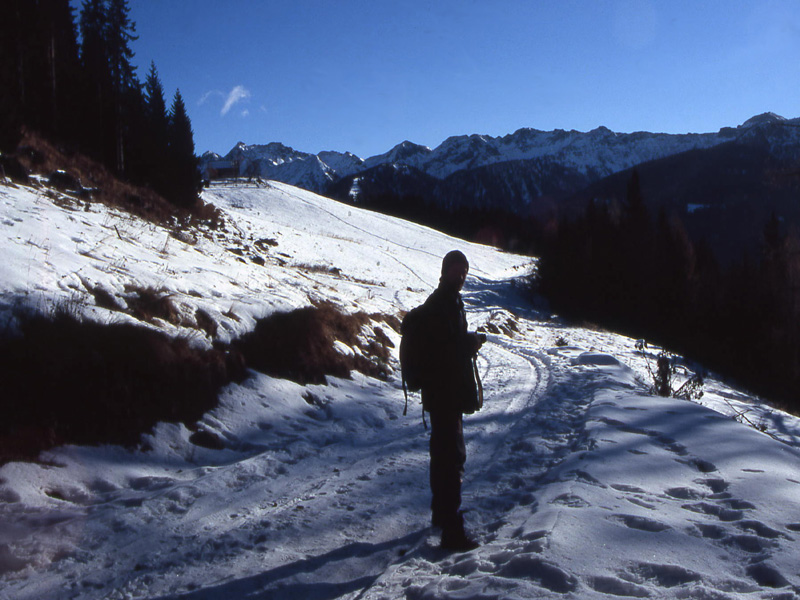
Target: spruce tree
x: 96, y: 80
x: 38, y: 69
x: 157, y: 143
x: 64, y: 75
x: 183, y: 163
x: 120, y: 32
x: 12, y: 94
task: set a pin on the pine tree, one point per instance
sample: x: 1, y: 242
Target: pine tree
x: 96, y: 80
x: 156, y: 145
x: 64, y: 68
x: 38, y: 64
x: 12, y: 81
x: 156, y: 106
x: 183, y: 163
x: 120, y: 32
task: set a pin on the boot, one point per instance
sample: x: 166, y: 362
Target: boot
x: 455, y: 538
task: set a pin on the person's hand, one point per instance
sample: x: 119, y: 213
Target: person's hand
x: 478, y: 340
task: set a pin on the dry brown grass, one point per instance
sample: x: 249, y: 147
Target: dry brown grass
x: 65, y: 381
x: 148, y: 304
x: 42, y: 157
x: 299, y: 345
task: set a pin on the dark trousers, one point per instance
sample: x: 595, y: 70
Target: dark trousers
x: 448, y: 455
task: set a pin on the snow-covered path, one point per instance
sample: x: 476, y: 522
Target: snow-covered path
x: 579, y: 484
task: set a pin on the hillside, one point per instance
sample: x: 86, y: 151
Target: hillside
x: 580, y: 483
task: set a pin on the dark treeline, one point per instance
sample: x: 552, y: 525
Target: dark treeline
x: 74, y: 82
x: 624, y: 268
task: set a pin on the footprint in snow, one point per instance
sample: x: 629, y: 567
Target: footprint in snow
x: 665, y: 576
x: 631, y: 489
x: 673, y: 446
x: 747, y: 543
x: 586, y: 477
x: 571, y: 501
x: 701, y: 465
x: 684, y: 493
x: 150, y: 483
x: 723, y: 514
x: 8, y: 496
x: 711, y: 532
x: 738, y: 504
x: 716, y: 485
x: 641, y: 523
x: 546, y: 575
x: 612, y: 586
x: 668, y: 443
x: 760, y: 529
x: 641, y: 503
x: 767, y: 576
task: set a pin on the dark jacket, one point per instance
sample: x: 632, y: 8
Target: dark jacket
x: 452, y: 386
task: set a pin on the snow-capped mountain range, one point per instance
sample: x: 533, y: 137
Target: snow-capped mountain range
x: 589, y: 155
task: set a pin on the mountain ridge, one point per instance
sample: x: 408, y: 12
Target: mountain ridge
x: 470, y: 179
x: 599, y: 152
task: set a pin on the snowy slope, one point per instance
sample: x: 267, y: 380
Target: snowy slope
x: 579, y: 483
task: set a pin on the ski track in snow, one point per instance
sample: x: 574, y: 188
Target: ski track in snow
x: 578, y: 483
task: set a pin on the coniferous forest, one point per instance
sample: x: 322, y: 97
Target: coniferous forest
x: 640, y: 273
x: 71, y: 79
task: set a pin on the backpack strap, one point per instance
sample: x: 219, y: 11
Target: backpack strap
x: 405, y: 409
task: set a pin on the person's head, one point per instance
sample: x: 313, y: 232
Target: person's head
x: 455, y: 267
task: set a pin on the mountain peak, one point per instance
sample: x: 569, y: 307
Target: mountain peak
x: 763, y: 119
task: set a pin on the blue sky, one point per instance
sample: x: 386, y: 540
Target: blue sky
x: 365, y: 75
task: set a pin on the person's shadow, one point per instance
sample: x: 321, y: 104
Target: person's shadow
x: 313, y: 578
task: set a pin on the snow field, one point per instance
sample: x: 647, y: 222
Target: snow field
x: 579, y: 484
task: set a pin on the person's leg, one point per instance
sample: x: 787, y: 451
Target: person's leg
x: 448, y: 455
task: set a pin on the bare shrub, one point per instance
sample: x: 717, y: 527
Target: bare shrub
x: 11, y: 167
x: 86, y: 383
x: 666, y: 380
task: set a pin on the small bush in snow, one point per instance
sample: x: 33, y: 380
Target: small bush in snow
x: 666, y: 376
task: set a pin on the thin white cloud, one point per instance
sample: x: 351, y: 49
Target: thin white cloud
x: 237, y: 94
x: 208, y: 95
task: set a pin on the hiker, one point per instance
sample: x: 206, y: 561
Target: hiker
x: 450, y: 392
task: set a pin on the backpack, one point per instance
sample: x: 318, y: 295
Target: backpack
x: 414, y: 350
x: 417, y: 358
